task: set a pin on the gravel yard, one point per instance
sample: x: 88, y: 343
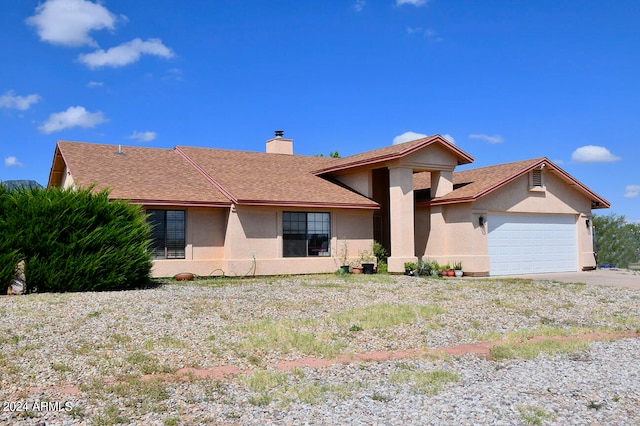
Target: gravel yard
x: 155, y: 356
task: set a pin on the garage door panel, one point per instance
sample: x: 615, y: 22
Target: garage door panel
x: 521, y: 244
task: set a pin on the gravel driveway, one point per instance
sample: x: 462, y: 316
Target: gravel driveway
x: 142, y: 357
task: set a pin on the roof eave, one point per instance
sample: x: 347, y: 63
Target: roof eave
x: 307, y: 204
x: 174, y: 203
x: 466, y: 158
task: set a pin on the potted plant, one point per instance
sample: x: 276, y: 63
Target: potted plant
x: 435, y: 268
x: 444, y: 270
x: 344, y: 256
x: 410, y: 268
x: 423, y: 267
x: 367, y: 260
x: 457, y: 268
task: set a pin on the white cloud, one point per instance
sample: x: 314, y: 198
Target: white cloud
x: 22, y: 103
x: 93, y: 84
x: 12, y: 162
x: 76, y: 116
x: 412, y: 2
x: 632, y: 191
x: 143, y: 136
x: 487, y: 138
x: 407, y: 136
x: 593, y: 154
x: 449, y: 138
x: 359, y: 5
x: 68, y: 22
x: 125, y: 53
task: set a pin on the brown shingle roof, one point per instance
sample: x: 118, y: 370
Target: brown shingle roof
x: 202, y: 176
x: 273, y: 179
x: 149, y: 175
x: 472, y: 184
x: 393, y: 152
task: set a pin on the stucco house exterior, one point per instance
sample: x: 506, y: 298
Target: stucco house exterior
x: 236, y: 212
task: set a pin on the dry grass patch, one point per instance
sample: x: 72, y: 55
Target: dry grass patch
x: 425, y: 382
x: 285, y: 388
x: 532, y: 349
x: 286, y: 336
x: 385, y: 315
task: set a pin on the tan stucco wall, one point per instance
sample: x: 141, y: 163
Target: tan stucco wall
x: 450, y: 233
x: 359, y: 181
x: 558, y: 198
x: 204, y: 250
x: 248, y: 241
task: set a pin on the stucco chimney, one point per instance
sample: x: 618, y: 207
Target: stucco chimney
x: 279, y: 144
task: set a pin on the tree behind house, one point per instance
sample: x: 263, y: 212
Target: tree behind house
x: 73, y: 240
x: 617, y: 241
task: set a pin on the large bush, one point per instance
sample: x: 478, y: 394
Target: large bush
x: 73, y: 240
x: 617, y: 241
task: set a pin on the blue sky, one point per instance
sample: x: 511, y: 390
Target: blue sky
x: 504, y: 80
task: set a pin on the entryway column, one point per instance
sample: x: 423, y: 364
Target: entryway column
x: 401, y: 214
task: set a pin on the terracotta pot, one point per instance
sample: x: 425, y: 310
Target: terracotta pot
x: 356, y: 270
x: 185, y: 276
x: 451, y: 273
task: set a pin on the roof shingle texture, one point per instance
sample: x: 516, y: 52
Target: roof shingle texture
x: 254, y: 177
x: 475, y: 182
x: 164, y: 175
x: 150, y: 174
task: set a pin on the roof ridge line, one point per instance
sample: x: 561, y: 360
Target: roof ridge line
x: 208, y: 177
x: 418, y: 145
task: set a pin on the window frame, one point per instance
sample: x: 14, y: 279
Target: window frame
x: 306, y: 234
x: 175, y: 239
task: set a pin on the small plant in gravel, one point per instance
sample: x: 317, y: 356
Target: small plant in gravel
x: 146, y: 364
x: 530, y: 350
x: 425, y: 382
x: 283, y: 336
x: 385, y: 315
x: 60, y: 367
x: 110, y: 416
x: 381, y: 397
x: 172, y: 421
x: 534, y: 415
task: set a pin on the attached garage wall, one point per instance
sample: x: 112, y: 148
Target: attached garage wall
x: 532, y: 243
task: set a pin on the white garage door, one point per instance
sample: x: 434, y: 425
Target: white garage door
x: 527, y: 244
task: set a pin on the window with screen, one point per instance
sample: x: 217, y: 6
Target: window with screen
x: 168, y: 233
x: 306, y: 234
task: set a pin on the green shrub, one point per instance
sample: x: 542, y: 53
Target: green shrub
x: 73, y: 240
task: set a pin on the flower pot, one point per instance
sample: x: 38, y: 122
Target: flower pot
x: 185, y: 276
x: 356, y: 269
x: 434, y: 272
x: 458, y: 272
x: 345, y: 269
x: 451, y: 273
x: 367, y: 268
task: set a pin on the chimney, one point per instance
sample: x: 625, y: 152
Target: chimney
x: 279, y: 144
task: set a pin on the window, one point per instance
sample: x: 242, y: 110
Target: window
x: 167, y: 233
x: 306, y: 234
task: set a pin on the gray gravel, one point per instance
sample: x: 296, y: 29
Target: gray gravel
x: 90, y: 350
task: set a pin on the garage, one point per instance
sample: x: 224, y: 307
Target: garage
x: 532, y: 243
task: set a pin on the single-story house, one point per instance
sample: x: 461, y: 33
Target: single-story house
x: 236, y: 212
